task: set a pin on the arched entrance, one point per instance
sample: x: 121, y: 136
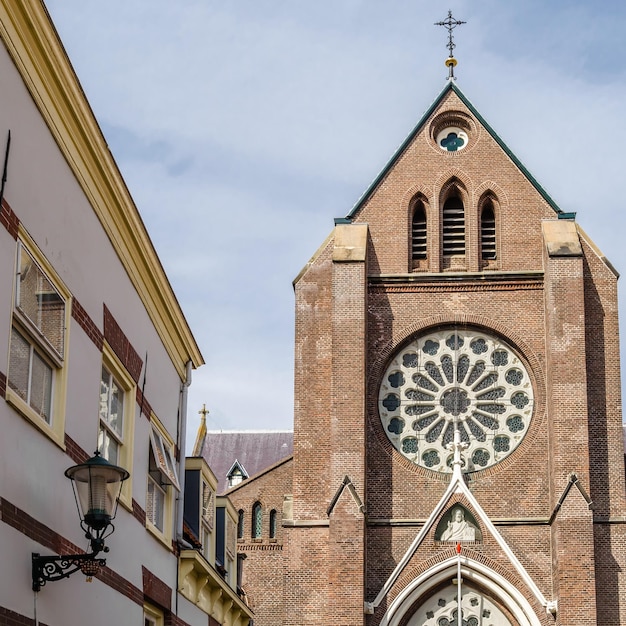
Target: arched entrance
x: 487, y: 599
x: 477, y: 609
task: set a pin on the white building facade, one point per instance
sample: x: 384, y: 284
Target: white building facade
x: 95, y: 354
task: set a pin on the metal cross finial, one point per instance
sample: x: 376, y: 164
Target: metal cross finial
x: 450, y: 23
x: 204, y: 412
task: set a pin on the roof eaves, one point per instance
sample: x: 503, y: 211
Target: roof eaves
x: 247, y: 481
x: 544, y: 194
x: 450, y: 86
x: 368, y: 192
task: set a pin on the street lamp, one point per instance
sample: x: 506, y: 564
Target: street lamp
x: 97, y: 485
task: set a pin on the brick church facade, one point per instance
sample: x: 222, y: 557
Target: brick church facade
x: 457, y: 407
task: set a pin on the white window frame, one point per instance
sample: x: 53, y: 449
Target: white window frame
x: 53, y: 357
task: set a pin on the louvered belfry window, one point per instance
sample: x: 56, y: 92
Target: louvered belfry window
x: 418, y: 232
x: 453, y: 227
x: 488, y: 232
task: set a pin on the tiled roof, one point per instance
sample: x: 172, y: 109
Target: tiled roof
x: 255, y: 451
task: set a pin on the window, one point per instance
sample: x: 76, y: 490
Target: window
x: 273, y: 524
x: 36, y: 377
x: 116, y: 406
x: 257, y: 520
x: 207, y: 519
x: 162, y: 479
x: 152, y: 616
x: 418, y: 232
x: 110, y: 432
x: 488, y: 232
x: 236, y: 474
x: 240, y: 524
x: 453, y: 227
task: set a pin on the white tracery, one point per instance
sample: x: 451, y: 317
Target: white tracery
x: 449, y: 381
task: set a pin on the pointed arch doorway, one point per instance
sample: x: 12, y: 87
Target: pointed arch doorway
x: 487, y: 599
x: 477, y: 609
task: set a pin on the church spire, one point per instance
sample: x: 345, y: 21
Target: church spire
x: 202, y: 430
x: 450, y: 23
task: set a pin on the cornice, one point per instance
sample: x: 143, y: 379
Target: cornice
x: 33, y: 43
x: 464, y: 281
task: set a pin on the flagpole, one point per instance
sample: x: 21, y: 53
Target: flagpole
x: 458, y: 585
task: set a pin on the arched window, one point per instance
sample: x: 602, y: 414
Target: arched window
x: 273, y: 524
x: 257, y: 520
x: 488, y: 232
x: 418, y: 232
x: 453, y: 227
x: 240, y: 524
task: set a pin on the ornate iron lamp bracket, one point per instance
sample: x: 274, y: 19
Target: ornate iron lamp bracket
x: 51, y: 568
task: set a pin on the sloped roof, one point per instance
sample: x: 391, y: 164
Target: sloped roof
x: 450, y: 86
x: 254, y: 450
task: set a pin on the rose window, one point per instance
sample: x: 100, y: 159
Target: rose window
x: 449, y: 380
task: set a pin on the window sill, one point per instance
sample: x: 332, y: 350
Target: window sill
x: 160, y: 536
x: 56, y: 435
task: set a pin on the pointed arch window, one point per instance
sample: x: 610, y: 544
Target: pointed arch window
x: 240, y: 524
x: 257, y: 520
x: 453, y: 227
x: 273, y: 524
x: 488, y: 232
x: 418, y: 232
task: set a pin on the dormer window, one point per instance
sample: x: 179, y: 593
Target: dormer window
x: 236, y: 474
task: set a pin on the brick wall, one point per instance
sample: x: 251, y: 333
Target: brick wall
x: 559, y: 313
x: 263, y: 565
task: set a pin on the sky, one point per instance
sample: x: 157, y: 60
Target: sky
x: 244, y: 128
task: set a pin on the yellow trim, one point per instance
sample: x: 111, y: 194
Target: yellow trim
x: 56, y: 429
x: 167, y: 534
x: 206, y: 477
x: 202, y: 585
x: 153, y: 613
x: 34, y: 46
x: 125, y: 460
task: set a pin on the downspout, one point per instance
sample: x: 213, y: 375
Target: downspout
x: 180, y: 503
x: 182, y: 435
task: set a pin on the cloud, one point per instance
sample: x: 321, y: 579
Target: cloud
x: 244, y: 128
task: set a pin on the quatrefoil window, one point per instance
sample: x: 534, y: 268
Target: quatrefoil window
x: 452, y: 139
x: 448, y: 380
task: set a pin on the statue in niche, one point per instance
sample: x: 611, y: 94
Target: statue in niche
x: 460, y: 529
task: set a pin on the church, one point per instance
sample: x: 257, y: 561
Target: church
x: 458, y: 452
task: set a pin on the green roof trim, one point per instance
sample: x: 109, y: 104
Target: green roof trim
x: 450, y: 86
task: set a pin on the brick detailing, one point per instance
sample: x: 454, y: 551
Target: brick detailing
x: 3, y: 385
x: 9, y: 220
x: 11, y: 618
x: 139, y: 513
x: 87, y: 324
x: 122, y: 347
x: 29, y: 526
x: 146, y: 409
x: 120, y: 584
x: 74, y: 451
x: 32, y: 528
x: 156, y: 590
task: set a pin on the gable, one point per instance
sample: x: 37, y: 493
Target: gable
x: 454, y: 198
x: 450, y: 87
